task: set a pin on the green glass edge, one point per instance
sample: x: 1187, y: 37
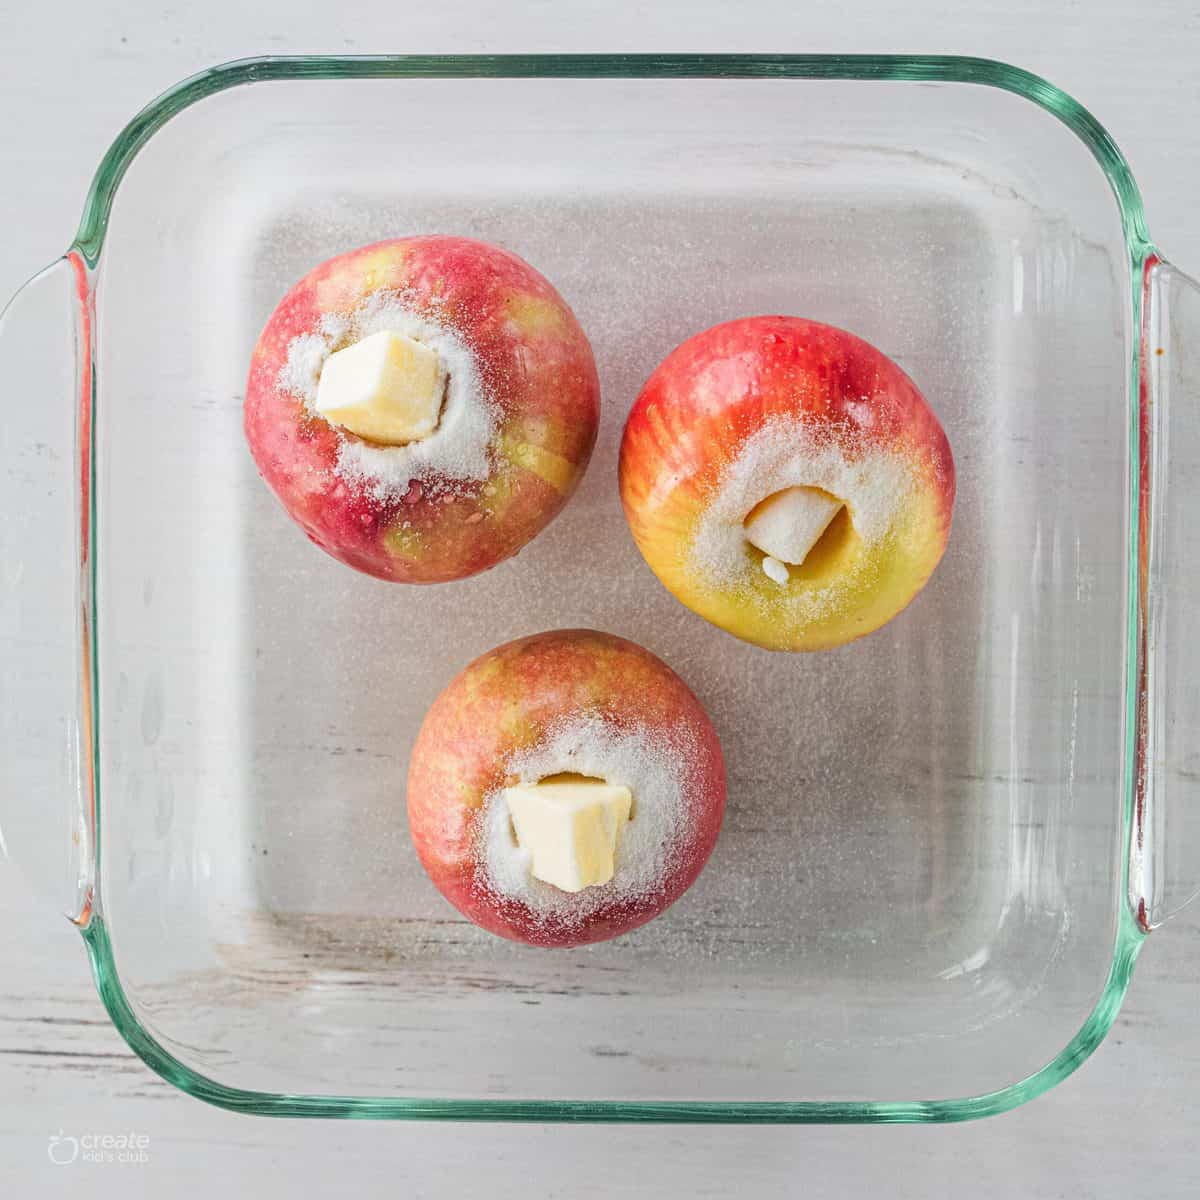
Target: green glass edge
x: 161, y: 1060
x: 948, y: 69
x: 89, y: 240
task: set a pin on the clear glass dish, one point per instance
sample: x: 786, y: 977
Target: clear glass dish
x: 945, y: 844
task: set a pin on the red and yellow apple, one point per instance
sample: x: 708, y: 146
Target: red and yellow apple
x: 507, y: 438
x: 546, y: 719
x: 787, y: 481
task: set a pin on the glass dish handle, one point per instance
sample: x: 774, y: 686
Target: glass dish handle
x: 1165, y: 862
x: 46, y: 808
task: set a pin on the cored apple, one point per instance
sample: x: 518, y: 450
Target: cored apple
x: 565, y: 788
x: 422, y: 407
x: 787, y: 481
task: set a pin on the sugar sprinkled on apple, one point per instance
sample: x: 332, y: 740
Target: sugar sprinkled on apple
x: 565, y: 788
x: 457, y: 416
x: 787, y: 481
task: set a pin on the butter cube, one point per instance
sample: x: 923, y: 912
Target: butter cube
x: 775, y: 570
x: 788, y: 524
x: 570, y: 827
x: 386, y: 388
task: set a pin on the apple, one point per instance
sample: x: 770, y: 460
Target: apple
x: 606, y: 747
x: 787, y: 481
x: 483, y: 366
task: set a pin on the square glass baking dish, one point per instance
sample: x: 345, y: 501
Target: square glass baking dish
x: 945, y: 844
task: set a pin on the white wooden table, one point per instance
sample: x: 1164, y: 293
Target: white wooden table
x: 1126, y: 1123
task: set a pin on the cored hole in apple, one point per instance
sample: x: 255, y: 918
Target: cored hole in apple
x: 802, y: 533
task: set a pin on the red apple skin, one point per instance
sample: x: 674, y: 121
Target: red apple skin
x: 534, y: 360
x: 505, y: 701
x: 719, y: 388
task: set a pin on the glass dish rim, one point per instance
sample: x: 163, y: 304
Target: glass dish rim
x: 88, y: 245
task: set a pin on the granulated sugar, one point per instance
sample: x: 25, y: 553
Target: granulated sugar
x: 652, y: 764
x: 306, y: 356
x: 872, y: 483
x: 459, y: 449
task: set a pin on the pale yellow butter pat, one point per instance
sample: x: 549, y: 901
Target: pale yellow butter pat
x: 387, y: 388
x: 788, y: 524
x: 570, y: 828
